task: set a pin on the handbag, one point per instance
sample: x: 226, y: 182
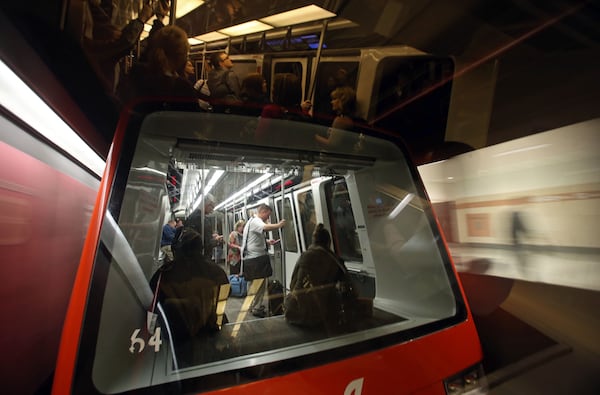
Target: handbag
x: 259, y: 267
x: 304, y: 306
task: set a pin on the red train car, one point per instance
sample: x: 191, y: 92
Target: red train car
x: 415, y: 325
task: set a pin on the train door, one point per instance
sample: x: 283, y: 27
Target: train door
x: 246, y: 64
x: 290, y: 246
x: 296, y: 66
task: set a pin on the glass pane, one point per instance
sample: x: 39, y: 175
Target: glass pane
x: 332, y: 75
x: 345, y: 235
x: 306, y: 206
x: 289, y: 231
x: 367, y: 200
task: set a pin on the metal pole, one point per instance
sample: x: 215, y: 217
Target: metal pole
x: 281, y: 231
x: 313, y: 81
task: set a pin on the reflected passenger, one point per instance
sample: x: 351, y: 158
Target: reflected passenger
x: 168, y: 235
x: 254, y: 93
x: 160, y: 75
x: 287, y: 104
x: 235, y: 244
x: 188, y: 289
x: 314, y: 299
x: 343, y: 103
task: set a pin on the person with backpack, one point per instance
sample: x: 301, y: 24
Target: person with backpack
x: 223, y: 83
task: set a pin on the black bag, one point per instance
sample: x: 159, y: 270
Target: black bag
x: 275, y: 292
x: 259, y: 267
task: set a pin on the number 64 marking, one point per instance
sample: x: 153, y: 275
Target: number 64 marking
x: 154, y: 340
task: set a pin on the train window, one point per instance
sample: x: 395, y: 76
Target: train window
x: 289, y: 67
x: 331, y: 75
x: 289, y: 231
x: 413, y: 98
x: 242, y: 67
x: 345, y: 235
x: 306, y: 210
x: 150, y: 323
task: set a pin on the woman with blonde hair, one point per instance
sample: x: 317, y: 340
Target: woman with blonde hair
x: 343, y: 103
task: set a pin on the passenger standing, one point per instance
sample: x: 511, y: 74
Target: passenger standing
x: 223, y: 83
x: 255, y: 253
x: 160, y: 75
x: 168, y: 235
x: 254, y: 93
x: 105, y: 43
x: 208, y: 231
x: 234, y: 256
x: 189, y: 72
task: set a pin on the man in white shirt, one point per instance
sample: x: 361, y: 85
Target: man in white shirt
x: 254, y: 247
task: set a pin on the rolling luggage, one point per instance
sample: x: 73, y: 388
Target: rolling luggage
x: 239, y: 286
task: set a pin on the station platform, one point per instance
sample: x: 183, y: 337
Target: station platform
x: 569, y: 267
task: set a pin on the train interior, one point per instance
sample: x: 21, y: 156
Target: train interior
x: 405, y: 287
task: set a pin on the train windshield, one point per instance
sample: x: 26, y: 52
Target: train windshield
x: 161, y: 318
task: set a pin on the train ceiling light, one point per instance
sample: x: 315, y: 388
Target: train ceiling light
x: 212, y: 36
x: 186, y: 6
x: 306, y: 14
x: 246, y: 28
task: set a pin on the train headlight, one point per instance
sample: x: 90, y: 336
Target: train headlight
x: 471, y: 381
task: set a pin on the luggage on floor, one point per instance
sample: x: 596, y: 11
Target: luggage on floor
x: 239, y: 286
x: 275, y: 291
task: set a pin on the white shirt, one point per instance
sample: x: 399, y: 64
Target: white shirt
x: 254, y: 243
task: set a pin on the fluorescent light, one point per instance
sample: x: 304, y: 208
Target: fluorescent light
x: 300, y: 15
x: 401, y: 205
x: 19, y: 99
x: 246, y: 28
x: 212, y: 36
x: 186, y: 6
x: 194, y: 41
x: 207, y: 188
x: 151, y: 170
x: 244, y: 190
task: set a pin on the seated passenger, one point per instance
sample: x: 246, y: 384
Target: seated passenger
x: 314, y: 299
x: 188, y: 289
x: 287, y: 104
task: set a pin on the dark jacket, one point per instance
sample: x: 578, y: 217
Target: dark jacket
x: 188, y: 290
x: 145, y: 82
x: 313, y: 298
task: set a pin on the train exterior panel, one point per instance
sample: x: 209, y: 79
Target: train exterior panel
x: 412, y: 321
x: 46, y: 202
